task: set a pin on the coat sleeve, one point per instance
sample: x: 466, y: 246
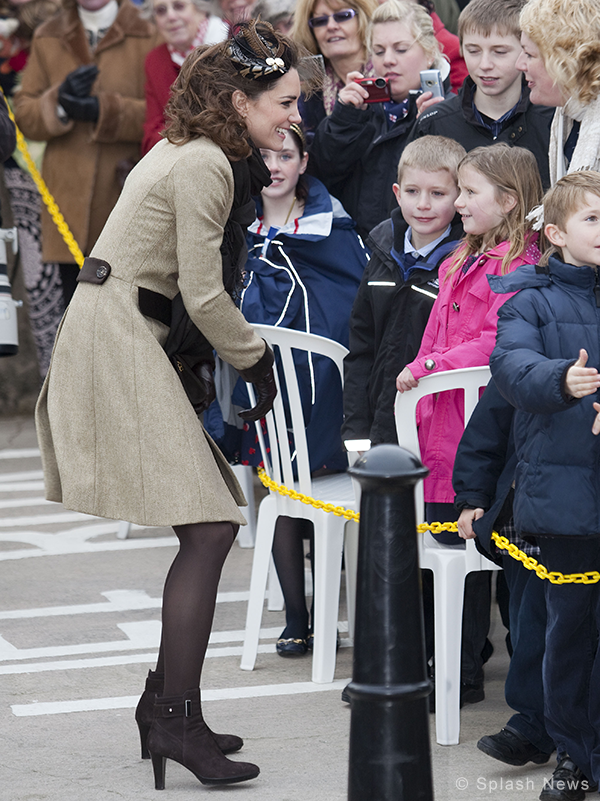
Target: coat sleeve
x: 154, y: 121
x: 340, y: 141
x: 482, y: 451
x: 525, y: 376
x: 200, y: 221
x: 8, y: 137
x: 121, y: 118
x: 36, y: 101
x: 358, y: 365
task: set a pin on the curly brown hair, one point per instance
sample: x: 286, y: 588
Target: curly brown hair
x: 201, y: 100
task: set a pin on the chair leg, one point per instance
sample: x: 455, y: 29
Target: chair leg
x: 267, y: 516
x: 329, y: 543
x: 275, y: 602
x: 247, y: 534
x: 449, y: 583
x: 351, y: 564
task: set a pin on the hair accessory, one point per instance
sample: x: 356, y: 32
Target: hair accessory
x: 536, y: 218
x: 299, y: 133
x: 253, y: 55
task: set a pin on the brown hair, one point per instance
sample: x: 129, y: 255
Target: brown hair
x: 482, y: 16
x: 431, y: 154
x: 201, y: 100
x: 512, y: 171
x: 565, y: 198
x: 567, y: 34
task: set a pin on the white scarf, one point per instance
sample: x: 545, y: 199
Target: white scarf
x: 587, y: 150
x: 97, y: 23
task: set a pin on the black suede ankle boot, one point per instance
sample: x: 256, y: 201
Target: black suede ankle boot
x: 227, y: 743
x: 178, y: 732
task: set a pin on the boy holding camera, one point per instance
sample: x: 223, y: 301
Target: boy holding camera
x: 493, y: 104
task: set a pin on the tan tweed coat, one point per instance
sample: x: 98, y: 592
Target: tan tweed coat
x: 119, y: 438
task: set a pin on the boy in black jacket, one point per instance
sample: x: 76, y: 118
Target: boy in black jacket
x: 493, y: 104
x: 399, y: 286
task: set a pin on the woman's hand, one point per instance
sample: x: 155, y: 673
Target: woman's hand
x: 426, y: 101
x: 406, y: 381
x: 465, y: 523
x: 596, y: 426
x: 581, y: 380
x: 353, y: 94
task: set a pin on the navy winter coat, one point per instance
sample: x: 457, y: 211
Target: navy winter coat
x: 540, y: 333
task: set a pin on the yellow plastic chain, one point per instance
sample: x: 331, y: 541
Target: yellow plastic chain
x: 53, y: 209
x: 592, y: 577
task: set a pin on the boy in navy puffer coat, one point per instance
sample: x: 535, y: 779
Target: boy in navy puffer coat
x: 545, y: 363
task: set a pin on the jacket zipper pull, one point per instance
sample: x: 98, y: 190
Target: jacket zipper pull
x: 597, y: 288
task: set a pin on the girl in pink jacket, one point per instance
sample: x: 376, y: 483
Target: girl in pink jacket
x: 499, y: 185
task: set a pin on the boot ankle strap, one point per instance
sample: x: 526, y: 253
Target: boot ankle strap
x: 186, y: 708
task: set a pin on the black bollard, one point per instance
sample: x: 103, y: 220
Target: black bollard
x: 390, y: 755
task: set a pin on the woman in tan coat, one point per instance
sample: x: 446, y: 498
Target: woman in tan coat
x: 119, y: 437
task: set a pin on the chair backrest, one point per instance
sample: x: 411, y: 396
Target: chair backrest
x: 278, y: 461
x: 471, y: 380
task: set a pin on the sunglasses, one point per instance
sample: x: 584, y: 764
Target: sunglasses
x: 339, y: 17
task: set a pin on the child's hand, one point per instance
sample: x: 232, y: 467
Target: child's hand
x: 596, y: 426
x: 465, y: 522
x: 581, y: 380
x: 406, y: 381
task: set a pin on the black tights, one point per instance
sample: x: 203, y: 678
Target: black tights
x: 189, y: 600
x: 288, y: 555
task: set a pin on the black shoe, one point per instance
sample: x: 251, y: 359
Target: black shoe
x: 291, y: 647
x: 345, y: 696
x: 567, y: 783
x: 512, y: 748
x: 471, y: 693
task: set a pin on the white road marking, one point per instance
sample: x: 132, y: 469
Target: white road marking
x: 22, y: 486
x: 19, y: 502
x: 23, y: 475
x: 130, y: 701
x: 19, y: 453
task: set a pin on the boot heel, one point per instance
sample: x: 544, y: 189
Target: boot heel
x: 159, y: 765
x: 144, y: 731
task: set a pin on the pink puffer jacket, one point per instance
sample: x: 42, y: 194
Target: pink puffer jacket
x: 461, y: 332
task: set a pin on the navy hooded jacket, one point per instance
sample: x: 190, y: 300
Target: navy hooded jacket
x: 540, y: 332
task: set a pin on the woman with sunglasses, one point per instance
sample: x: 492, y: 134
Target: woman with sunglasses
x: 183, y: 24
x: 355, y: 151
x: 337, y: 31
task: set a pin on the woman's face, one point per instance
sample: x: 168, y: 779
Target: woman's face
x: 397, y: 56
x: 286, y: 166
x: 269, y: 116
x: 178, y: 22
x: 336, y: 40
x: 543, y: 89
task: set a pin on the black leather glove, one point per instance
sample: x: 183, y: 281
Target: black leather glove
x: 262, y: 377
x: 79, y: 82
x: 86, y: 109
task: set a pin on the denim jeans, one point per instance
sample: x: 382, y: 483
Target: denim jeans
x: 571, y: 667
x: 523, y: 690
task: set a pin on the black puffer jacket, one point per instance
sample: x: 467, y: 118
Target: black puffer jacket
x: 455, y: 118
x: 386, y: 326
x: 356, y: 156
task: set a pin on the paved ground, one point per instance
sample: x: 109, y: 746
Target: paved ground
x: 79, y: 628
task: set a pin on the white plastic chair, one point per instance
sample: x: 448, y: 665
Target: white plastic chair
x: 449, y: 563
x: 329, y: 529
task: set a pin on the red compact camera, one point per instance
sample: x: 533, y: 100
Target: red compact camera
x: 378, y: 89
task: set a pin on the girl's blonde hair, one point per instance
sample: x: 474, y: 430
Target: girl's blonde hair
x: 513, y: 172
x: 302, y: 33
x: 415, y: 18
x: 567, y: 34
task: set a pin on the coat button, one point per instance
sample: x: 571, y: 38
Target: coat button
x: 101, y: 272
x: 430, y: 364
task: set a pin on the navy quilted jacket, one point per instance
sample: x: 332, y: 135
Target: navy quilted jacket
x: 540, y: 332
